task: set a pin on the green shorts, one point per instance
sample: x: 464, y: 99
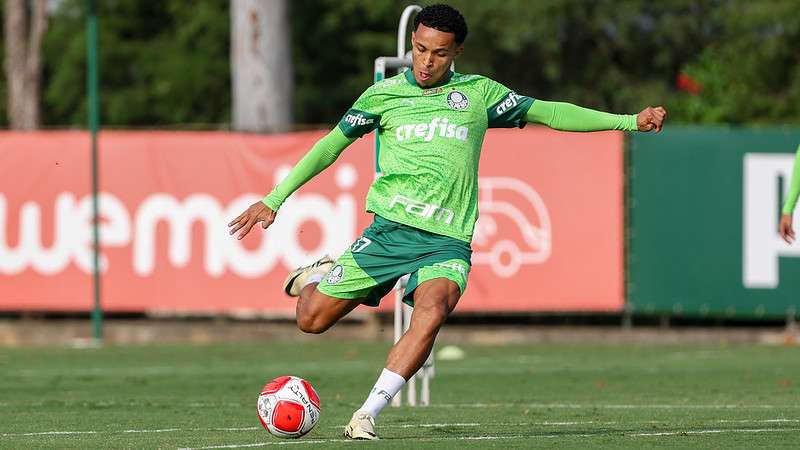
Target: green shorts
x: 388, y: 250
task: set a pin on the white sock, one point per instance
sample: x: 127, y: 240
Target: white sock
x: 388, y: 384
x: 314, y: 278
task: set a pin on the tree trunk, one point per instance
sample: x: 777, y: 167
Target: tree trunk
x: 25, y: 24
x: 261, y: 66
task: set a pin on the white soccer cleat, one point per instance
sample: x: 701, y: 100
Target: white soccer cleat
x: 361, y: 427
x: 296, y: 280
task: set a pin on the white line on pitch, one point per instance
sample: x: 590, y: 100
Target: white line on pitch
x: 479, y: 438
x: 264, y: 444
x: 606, y: 406
x: 163, y: 430
x: 327, y: 441
x: 422, y: 425
x: 158, y: 430
x: 48, y: 433
x: 743, y: 430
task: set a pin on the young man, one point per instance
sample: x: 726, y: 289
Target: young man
x: 432, y: 124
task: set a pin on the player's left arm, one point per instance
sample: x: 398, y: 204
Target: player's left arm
x: 569, y: 117
x: 507, y: 109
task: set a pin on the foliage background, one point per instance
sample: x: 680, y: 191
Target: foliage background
x: 166, y: 63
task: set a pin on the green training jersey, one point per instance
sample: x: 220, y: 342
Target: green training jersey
x: 430, y: 143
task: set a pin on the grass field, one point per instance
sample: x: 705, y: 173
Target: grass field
x: 534, y: 396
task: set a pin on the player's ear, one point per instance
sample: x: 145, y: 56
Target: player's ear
x: 459, y: 49
x: 413, y: 37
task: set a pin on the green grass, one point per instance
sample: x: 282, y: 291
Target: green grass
x: 532, y: 396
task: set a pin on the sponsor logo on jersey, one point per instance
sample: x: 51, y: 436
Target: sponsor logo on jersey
x: 510, y: 102
x: 421, y: 209
x: 457, y: 100
x: 357, y: 119
x: 427, y: 131
x: 433, y: 91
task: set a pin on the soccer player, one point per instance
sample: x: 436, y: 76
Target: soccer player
x: 432, y: 122
x: 785, y: 228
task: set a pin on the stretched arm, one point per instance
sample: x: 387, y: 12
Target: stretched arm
x: 321, y: 155
x: 785, y: 228
x: 569, y: 117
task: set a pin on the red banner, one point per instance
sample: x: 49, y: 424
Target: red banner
x: 549, y: 237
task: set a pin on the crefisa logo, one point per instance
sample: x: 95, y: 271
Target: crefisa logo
x: 357, y: 119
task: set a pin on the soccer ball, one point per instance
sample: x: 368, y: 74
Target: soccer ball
x: 288, y: 407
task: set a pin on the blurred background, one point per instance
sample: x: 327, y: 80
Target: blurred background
x: 204, y: 105
x: 169, y: 63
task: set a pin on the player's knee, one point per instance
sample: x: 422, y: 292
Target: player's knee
x: 311, y: 324
x: 432, y: 315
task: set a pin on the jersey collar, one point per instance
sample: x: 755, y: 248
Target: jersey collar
x: 413, y: 81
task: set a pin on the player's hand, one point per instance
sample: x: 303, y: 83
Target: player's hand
x: 257, y: 212
x: 785, y: 228
x: 651, y: 118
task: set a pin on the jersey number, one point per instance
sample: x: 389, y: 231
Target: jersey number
x: 360, y: 244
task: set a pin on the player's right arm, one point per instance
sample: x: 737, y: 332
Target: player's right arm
x: 357, y: 122
x: 785, y: 228
x: 321, y: 155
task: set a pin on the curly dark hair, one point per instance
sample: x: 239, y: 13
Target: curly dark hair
x: 443, y: 18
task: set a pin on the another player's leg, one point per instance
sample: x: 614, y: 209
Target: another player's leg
x: 433, y: 301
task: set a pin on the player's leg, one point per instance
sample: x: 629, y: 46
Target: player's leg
x: 433, y: 301
x: 438, y: 266
x: 328, y: 290
x: 316, y: 312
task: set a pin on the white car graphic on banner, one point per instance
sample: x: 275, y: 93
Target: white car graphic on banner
x: 505, y: 200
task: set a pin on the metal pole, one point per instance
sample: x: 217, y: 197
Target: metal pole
x: 398, y: 331
x: 402, y: 27
x: 381, y: 64
x: 94, y: 124
x: 411, y: 384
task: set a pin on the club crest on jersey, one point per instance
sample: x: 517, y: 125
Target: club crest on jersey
x: 335, y: 275
x: 457, y: 100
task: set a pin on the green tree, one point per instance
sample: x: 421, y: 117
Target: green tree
x: 167, y: 63
x: 161, y: 63
x: 335, y: 45
x: 750, y: 73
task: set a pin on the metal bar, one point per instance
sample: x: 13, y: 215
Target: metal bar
x: 412, y: 382
x: 398, y: 330
x: 94, y: 125
x: 402, y: 28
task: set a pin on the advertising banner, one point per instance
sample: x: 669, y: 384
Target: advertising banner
x: 703, y: 230
x: 549, y: 237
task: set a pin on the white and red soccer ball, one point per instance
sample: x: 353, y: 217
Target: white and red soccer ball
x: 288, y: 407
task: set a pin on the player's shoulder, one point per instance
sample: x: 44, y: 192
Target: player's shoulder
x: 387, y: 84
x: 470, y: 78
x: 467, y: 77
x: 379, y: 93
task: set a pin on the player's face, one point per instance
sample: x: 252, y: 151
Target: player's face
x: 432, y: 53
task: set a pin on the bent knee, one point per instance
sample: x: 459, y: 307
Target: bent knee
x: 311, y: 325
